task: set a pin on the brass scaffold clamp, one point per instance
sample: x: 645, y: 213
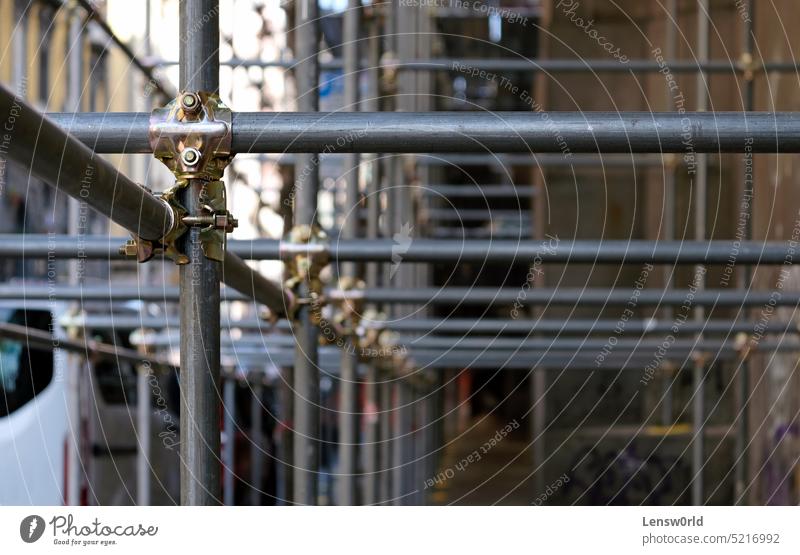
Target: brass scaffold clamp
x: 192, y: 137
x: 306, y: 253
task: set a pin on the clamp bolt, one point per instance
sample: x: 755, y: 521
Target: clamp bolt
x: 190, y: 103
x: 190, y: 156
x: 129, y: 249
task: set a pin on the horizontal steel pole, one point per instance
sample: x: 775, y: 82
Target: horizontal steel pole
x: 587, y: 132
x: 434, y: 215
x: 580, y: 345
x: 481, y: 296
x: 526, y: 345
x: 575, y: 326
x: 530, y: 65
x: 70, y: 167
x: 507, y: 360
x: 590, y: 161
x: 127, y: 322
x: 43, y: 340
x: 435, y: 250
x: 522, y: 192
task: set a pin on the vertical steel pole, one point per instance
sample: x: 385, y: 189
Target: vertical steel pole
x: 284, y: 467
x: 741, y: 463
x: 256, y: 448
x: 373, y: 399
x: 306, y: 370
x: 229, y: 423
x: 76, y: 364
x: 385, y: 434
x: 700, y: 201
x: 372, y: 406
x: 671, y: 49
x: 348, y: 389
x: 143, y: 431
x: 402, y: 470
x: 199, y: 285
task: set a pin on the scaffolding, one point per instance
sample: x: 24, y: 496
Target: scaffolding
x: 196, y: 136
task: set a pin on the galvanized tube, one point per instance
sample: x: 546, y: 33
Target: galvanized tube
x: 741, y: 462
x: 529, y: 65
x: 348, y: 385
x: 199, y: 286
x: 123, y: 322
x: 422, y: 250
x: 306, y: 186
x: 480, y: 296
x: 43, y: 340
x: 700, y: 190
x: 144, y: 414
x: 431, y: 132
x: 229, y: 428
x: 256, y: 447
x: 483, y: 296
x: 501, y: 359
x: 72, y: 168
x: 372, y: 398
x: 239, y: 276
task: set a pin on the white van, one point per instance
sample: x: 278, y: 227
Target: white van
x: 67, y: 425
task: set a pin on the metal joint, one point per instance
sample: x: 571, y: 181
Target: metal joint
x: 192, y: 136
x: 749, y: 66
x: 352, y: 309
x: 306, y: 253
x: 143, y: 250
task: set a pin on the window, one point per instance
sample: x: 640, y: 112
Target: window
x: 24, y: 372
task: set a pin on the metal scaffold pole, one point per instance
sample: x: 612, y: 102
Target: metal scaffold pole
x: 700, y: 201
x: 348, y: 377
x: 741, y: 462
x: 306, y: 187
x: 229, y: 429
x: 373, y: 401
x: 199, y: 285
x: 466, y: 132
